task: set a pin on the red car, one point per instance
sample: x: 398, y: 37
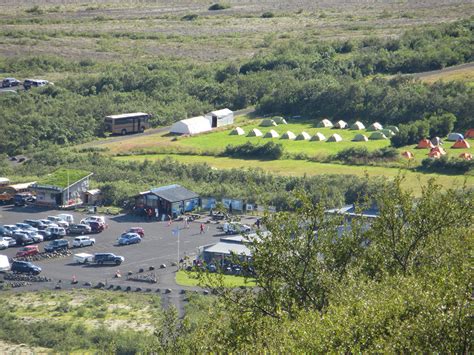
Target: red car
x: 28, y: 250
x: 139, y: 230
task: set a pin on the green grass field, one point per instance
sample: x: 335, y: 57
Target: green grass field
x: 184, y: 278
x: 413, y: 180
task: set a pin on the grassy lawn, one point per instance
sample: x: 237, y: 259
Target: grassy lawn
x: 63, y: 177
x: 303, y: 167
x: 185, y: 278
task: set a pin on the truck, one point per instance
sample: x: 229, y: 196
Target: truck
x: 98, y: 258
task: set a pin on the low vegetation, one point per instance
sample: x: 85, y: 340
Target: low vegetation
x: 267, y: 151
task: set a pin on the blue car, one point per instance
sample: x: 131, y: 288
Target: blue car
x: 129, y: 238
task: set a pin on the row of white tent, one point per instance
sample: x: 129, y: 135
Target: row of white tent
x: 255, y: 132
x: 356, y: 126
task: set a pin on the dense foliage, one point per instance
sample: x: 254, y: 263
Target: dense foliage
x: 361, y: 155
x: 309, y: 79
x: 267, y: 151
x: 445, y: 164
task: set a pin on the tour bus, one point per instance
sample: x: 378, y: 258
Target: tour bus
x: 8, y: 192
x: 127, y: 123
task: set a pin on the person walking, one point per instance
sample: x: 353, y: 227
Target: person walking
x: 201, y: 229
x: 169, y: 220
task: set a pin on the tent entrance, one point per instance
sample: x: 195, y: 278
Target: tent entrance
x: 214, y: 122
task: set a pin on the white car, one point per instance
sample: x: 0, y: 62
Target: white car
x: 10, y: 229
x: 83, y: 241
x: 11, y: 242
x: 59, y: 221
x: 89, y: 219
x: 48, y: 223
x: 4, y: 244
x: 56, y: 231
x: 69, y: 218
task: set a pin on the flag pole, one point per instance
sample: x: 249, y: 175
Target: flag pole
x: 178, y: 246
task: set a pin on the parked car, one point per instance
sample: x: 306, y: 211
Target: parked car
x: 38, y: 224
x: 25, y: 267
x: 9, y: 82
x: 129, y: 238
x: 29, y: 83
x: 3, y: 243
x: 46, y: 235
x: 29, y: 250
x: 139, y: 230
x: 97, y: 227
x: 79, y: 229
x: 69, y: 218
x: 58, y: 221
x: 23, y: 198
x: 56, y: 232
x: 83, y: 241
x: 236, y: 228
x: 9, y: 229
x: 56, y: 245
x: 26, y: 227
x: 22, y: 238
x: 89, y: 219
x: 108, y: 258
x: 11, y: 242
x: 4, y: 263
x: 37, y: 238
x: 48, y: 223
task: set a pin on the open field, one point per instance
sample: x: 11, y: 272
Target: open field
x: 184, y: 278
x: 213, y: 143
x: 413, y: 181
x: 108, y: 29
x: 463, y: 73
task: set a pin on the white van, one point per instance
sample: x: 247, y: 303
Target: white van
x: 4, y: 263
x: 69, y: 218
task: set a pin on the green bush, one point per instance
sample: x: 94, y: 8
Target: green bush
x: 190, y: 17
x: 445, y: 165
x: 268, y: 151
x: 268, y: 14
x: 219, y: 6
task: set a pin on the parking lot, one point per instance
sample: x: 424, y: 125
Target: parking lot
x: 159, y: 246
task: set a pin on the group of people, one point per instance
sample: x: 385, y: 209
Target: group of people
x: 150, y: 213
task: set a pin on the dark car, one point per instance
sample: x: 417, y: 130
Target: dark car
x: 9, y: 82
x: 108, y: 258
x: 47, y: 235
x: 36, y: 223
x: 79, y: 229
x: 25, y: 267
x: 96, y: 227
x: 23, y: 198
x: 22, y: 238
x: 56, y: 245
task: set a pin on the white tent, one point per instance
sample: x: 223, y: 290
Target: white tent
x: 375, y: 127
x: 279, y: 120
x: 288, y: 135
x: 453, y: 137
x: 357, y: 126
x: 255, y: 133
x: 237, y: 131
x: 325, y: 123
x: 220, y: 118
x: 303, y: 136
x: 192, y: 125
x: 318, y: 137
x: 341, y: 124
x: 268, y: 123
x: 271, y: 134
x: 335, y: 138
x: 360, y: 138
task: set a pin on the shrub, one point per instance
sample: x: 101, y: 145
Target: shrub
x: 445, y: 164
x: 190, y: 17
x: 361, y: 155
x: 219, y: 6
x: 270, y: 151
x: 268, y: 14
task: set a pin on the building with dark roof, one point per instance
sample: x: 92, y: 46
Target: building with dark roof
x: 169, y: 200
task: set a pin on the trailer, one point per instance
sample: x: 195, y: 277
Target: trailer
x: 83, y: 258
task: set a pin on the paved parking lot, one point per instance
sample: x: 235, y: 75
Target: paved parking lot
x: 158, y: 247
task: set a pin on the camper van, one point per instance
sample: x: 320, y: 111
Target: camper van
x: 4, y: 263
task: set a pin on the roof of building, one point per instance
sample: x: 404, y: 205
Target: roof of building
x: 62, y: 178
x: 174, y: 193
x: 228, y: 248
x: 220, y: 113
x: 126, y: 115
x: 350, y: 210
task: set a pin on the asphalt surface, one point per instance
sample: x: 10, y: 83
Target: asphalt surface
x: 159, y: 246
